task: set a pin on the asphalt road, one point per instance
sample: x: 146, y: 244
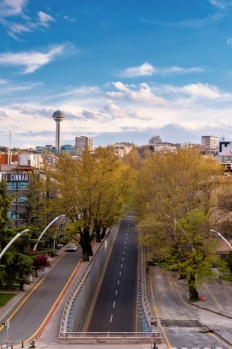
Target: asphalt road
x: 181, y: 323
x: 116, y: 303
x: 29, y: 317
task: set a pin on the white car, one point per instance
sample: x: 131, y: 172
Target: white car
x: 71, y: 248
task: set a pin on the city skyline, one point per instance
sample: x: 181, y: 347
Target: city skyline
x: 119, y: 71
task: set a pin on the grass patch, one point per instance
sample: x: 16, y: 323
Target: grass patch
x: 5, y: 297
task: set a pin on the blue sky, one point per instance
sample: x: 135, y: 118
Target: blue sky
x: 120, y: 70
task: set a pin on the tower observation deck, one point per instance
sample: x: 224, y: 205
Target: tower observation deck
x: 58, y: 116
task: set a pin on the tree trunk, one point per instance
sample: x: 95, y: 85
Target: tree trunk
x: 103, y: 233
x: 21, y: 285
x: 98, y: 233
x: 85, y: 243
x: 193, y: 294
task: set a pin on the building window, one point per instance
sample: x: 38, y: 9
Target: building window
x: 20, y: 200
x: 11, y: 185
x: 22, y: 185
x: 12, y: 215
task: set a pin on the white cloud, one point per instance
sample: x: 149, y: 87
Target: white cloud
x: 180, y: 70
x: 140, y: 94
x: 31, y: 60
x: 72, y: 20
x: 118, y: 112
x: 127, y: 108
x: 15, y: 28
x: 202, y: 90
x: 221, y: 4
x: 44, y: 19
x: 12, y: 7
x: 147, y: 69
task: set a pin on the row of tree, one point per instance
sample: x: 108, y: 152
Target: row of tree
x: 92, y: 191
x: 176, y: 207
x: 172, y: 195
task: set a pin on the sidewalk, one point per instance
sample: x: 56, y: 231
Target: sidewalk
x: 217, y: 299
x: 9, y: 307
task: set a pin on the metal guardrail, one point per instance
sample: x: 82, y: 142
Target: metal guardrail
x: 80, y: 297
x: 145, y: 312
x: 109, y: 337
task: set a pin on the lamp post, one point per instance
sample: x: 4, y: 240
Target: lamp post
x: 7, y: 322
x: 48, y: 226
x: 222, y: 237
x: 11, y: 242
x: 54, y: 239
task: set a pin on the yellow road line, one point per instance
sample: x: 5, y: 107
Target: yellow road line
x: 55, y: 304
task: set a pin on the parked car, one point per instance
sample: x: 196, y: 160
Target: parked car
x: 71, y: 248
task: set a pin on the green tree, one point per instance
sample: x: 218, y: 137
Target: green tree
x: 39, y: 209
x: 92, y: 190
x: 174, y: 207
x: 17, y: 261
x: 5, y: 202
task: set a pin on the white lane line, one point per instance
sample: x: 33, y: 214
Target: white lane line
x: 120, y: 273
x: 111, y: 318
x: 123, y: 252
x: 122, y: 259
x: 114, y: 304
x: 118, y: 282
x: 116, y: 292
x: 121, y: 266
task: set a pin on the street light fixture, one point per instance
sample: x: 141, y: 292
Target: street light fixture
x: 222, y: 237
x: 11, y: 242
x: 54, y: 220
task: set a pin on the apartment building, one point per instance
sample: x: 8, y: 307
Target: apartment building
x: 17, y: 175
x: 209, y: 142
x: 82, y: 143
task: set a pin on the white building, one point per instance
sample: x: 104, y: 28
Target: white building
x: 209, y: 142
x: 123, y: 148
x: 82, y: 143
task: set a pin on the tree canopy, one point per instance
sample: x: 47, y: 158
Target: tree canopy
x: 92, y: 190
x: 174, y: 206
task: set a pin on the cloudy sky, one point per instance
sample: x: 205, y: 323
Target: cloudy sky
x: 120, y: 70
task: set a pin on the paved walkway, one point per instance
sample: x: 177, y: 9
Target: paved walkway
x: 216, y: 298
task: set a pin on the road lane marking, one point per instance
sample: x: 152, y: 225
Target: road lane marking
x: 120, y: 273
x: 111, y: 318
x: 114, y: 304
x: 118, y: 282
x: 116, y: 292
x: 121, y: 265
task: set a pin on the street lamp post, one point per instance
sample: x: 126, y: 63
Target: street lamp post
x: 7, y: 322
x: 11, y: 242
x: 48, y: 226
x: 222, y: 237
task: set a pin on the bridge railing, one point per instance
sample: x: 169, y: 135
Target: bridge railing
x: 110, y: 337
